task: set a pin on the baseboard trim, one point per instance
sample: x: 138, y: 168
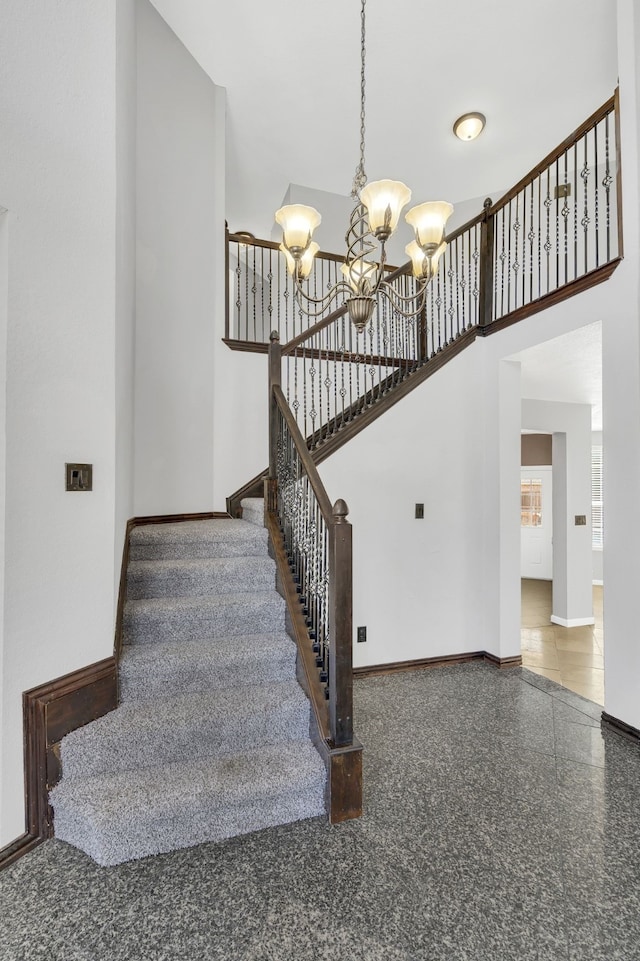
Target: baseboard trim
x: 49, y: 712
x: 503, y: 662
x: 426, y: 663
x: 175, y: 518
x: 607, y: 721
x: 573, y: 621
x: 22, y: 845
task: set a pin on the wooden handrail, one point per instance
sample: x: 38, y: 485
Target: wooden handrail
x: 340, y: 614
x: 306, y: 460
x: 272, y: 245
x: 555, y: 154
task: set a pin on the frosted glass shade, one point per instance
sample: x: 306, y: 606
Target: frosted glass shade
x: 469, y: 126
x: 305, y: 262
x: 425, y: 265
x: 298, y: 223
x: 384, y: 200
x: 358, y: 271
x: 428, y: 221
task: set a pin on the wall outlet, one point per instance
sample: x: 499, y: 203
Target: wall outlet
x: 419, y: 512
x: 581, y: 520
x: 79, y: 477
x: 562, y: 190
x: 362, y: 635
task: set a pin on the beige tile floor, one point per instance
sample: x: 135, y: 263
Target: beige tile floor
x: 572, y: 656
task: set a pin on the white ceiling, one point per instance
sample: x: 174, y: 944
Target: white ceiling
x: 567, y: 368
x: 291, y: 71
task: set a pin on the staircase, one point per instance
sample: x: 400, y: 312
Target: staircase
x: 211, y: 738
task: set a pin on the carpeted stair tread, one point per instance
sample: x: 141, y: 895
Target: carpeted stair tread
x: 221, y: 537
x: 211, y: 737
x: 197, y: 577
x: 253, y: 510
x: 158, y: 670
x: 143, y: 812
x: 216, y: 723
x: 195, y: 618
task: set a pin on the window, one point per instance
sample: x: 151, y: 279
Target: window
x: 596, y: 497
x: 530, y: 503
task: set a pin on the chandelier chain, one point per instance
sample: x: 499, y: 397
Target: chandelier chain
x: 360, y: 177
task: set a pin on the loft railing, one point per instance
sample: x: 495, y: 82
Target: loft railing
x: 316, y: 537
x: 560, y: 227
x: 331, y: 375
x: 556, y: 232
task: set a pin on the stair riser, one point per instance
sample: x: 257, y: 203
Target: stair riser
x: 212, y: 678
x: 199, y: 549
x: 124, y: 841
x: 146, y: 627
x: 178, y: 583
x: 201, y: 737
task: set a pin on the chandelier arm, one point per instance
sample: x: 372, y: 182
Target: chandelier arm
x: 398, y: 302
x: 321, y: 303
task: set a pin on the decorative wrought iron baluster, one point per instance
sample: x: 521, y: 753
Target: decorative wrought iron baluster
x: 566, y: 211
x: 606, y: 183
x: 438, y: 305
x: 596, y: 196
x: 575, y: 211
x: 509, y: 264
x: 451, y: 308
x: 584, y: 173
x: 539, y: 235
x: 531, y: 238
x: 476, y: 289
x: 236, y: 331
x: 547, y: 244
x: 503, y: 259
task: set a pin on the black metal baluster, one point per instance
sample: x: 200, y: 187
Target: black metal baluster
x: 596, y: 196
x: 584, y: 173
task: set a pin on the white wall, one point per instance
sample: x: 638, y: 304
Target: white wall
x: 4, y: 278
x: 598, y: 556
x: 180, y: 237
x: 570, y: 425
x: 125, y: 270
x: 621, y: 406
x: 415, y: 581
x: 58, y: 181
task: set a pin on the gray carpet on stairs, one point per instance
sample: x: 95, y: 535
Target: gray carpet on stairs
x: 211, y: 738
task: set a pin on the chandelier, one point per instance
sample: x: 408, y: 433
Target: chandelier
x: 375, y: 216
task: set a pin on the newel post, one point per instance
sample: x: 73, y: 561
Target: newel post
x: 486, y: 265
x: 275, y: 379
x: 340, y: 626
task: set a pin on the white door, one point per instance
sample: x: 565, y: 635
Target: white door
x: 536, y: 556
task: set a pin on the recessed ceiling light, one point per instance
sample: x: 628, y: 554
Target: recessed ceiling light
x: 469, y: 126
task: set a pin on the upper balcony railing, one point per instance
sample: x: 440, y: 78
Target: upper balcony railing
x: 556, y: 232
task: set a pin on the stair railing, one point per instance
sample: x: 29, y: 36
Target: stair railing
x: 332, y: 375
x: 559, y: 229
x: 316, y: 537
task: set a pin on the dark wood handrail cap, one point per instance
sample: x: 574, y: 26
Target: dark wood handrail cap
x: 274, y: 337
x: 340, y: 511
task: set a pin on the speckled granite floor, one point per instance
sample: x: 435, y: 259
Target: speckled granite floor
x: 500, y: 824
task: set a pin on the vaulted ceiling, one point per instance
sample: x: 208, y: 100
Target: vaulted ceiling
x: 291, y: 72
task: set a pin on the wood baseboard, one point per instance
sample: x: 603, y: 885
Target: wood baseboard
x: 426, y: 663
x: 608, y: 722
x: 49, y: 712
x: 22, y: 845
